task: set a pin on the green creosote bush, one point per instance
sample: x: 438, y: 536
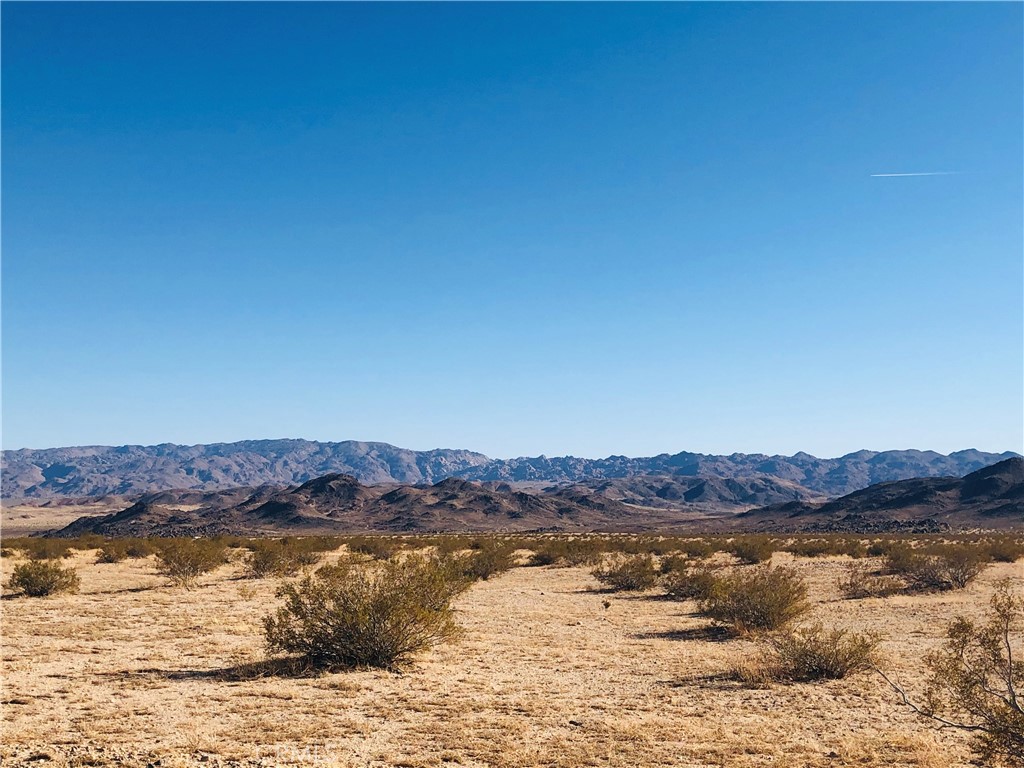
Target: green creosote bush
x: 936, y: 569
x: 350, y: 616
x: 1005, y: 550
x: 570, y: 552
x: 377, y: 547
x: 39, y: 578
x: 490, y: 560
x: 116, y: 550
x: 752, y: 550
x: 690, y: 582
x: 46, y: 549
x: 627, y: 573
x: 270, y: 557
x: 183, y: 561
x: 697, y: 549
x: 764, y: 599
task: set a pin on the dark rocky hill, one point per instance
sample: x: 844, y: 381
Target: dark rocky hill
x: 132, y: 470
x: 338, y: 503
x: 992, y: 497
x: 674, y: 491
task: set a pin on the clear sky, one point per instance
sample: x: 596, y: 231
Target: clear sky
x: 520, y: 229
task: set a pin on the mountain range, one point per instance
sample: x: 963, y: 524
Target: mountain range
x: 132, y: 470
x: 990, y: 498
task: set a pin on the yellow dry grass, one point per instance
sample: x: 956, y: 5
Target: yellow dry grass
x: 133, y: 672
x: 24, y: 519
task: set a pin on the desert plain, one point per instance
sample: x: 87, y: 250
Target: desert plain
x: 549, y: 671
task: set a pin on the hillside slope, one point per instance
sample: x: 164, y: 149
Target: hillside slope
x: 992, y: 497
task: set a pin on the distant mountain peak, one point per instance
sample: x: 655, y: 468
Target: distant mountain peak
x: 132, y: 470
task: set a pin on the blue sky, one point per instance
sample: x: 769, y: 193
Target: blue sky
x: 521, y: 229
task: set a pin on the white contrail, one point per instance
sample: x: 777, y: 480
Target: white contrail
x: 929, y: 173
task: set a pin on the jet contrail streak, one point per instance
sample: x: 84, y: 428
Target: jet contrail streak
x: 929, y: 173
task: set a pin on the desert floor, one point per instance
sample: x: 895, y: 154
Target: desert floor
x: 133, y: 672
x: 24, y: 519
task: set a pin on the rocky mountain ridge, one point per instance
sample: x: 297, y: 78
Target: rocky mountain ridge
x: 134, y: 470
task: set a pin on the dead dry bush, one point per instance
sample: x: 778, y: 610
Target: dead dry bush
x: 861, y: 581
x: 183, y: 561
x: 977, y: 680
x: 39, y: 578
x: 763, y: 599
x: 350, y: 616
x: 627, y: 573
x: 809, y: 654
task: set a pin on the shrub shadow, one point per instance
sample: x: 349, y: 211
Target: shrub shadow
x: 711, y: 633
x: 253, y: 670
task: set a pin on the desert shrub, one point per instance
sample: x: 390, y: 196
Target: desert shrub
x: 112, y: 552
x: 46, y: 549
x: 40, y: 578
x: 571, y: 552
x: 697, y: 549
x: 1005, y: 550
x: 814, y: 653
x: 691, y: 582
x: 878, y: 549
x: 961, y: 564
x: 183, y: 561
x: 377, y: 547
x: 645, y: 545
x: 811, y: 548
x: 830, y: 545
x: 490, y: 560
x: 346, y: 616
x: 627, y: 573
x: 545, y: 555
x: 116, y: 550
x: 138, y: 548
x: 278, y: 558
x: 759, y: 600
x: 977, y: 680
x: 859, y: 581
x: 937, y: 569
x: 579, y: 552
x: 853, y: 548
x: 752, y: 549
x: 86, y: 541
x: 673, y: 563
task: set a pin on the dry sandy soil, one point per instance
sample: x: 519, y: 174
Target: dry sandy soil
x: 24, y: 519
x: 132, y: 672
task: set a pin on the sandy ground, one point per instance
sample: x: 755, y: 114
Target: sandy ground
x: 25, y: 519
x: 128, y: 671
